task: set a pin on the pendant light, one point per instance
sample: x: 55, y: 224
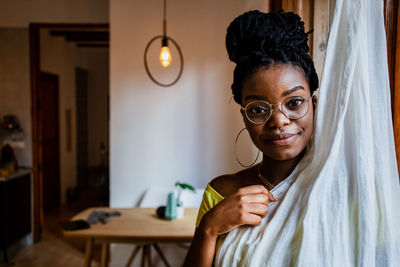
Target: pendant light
x: 165, y: 54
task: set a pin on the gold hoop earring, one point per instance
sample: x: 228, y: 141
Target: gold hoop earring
x: 237, y: 159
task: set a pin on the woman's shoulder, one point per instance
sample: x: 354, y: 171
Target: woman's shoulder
x: 228, y: 184
x: 225, y: 185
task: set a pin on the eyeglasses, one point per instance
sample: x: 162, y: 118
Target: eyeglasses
x: 294, y: 107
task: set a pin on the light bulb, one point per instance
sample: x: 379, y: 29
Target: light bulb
x: 165, y: 56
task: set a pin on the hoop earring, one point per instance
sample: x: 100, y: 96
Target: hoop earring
x: 237, y: 159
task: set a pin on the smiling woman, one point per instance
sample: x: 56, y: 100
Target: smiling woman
x: 274, y: 81
x: 326, y: 192
x: 286, y: 130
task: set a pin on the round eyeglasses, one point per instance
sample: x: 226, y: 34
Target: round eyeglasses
x: 294, y: 107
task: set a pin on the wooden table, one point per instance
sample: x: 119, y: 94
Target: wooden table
x: 135, y: 225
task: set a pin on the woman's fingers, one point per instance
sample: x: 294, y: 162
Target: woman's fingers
x: 252, y: 214
x: 272, y: 197
x: 253, y: 189
x: 256, y: 189
x: 251, y: 219
x: 257, y: 209
x: 254, y: 198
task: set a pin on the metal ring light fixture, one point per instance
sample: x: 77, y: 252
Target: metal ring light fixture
x: 165, y: 56
x: 147, y: 67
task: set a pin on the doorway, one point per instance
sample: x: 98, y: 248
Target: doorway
x: 82, y: 179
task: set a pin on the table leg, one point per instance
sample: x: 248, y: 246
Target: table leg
x: 104, y: 254
x: 149, y: 255
x: 158, y: 249
x: 143, y: 262
x: 89, y: 252
x: 133, y: 255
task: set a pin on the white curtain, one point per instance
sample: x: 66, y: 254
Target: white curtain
x: 341, y: 205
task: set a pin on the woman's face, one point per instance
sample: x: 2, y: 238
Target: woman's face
x: 279, y: 138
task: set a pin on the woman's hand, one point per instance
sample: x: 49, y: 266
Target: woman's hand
x: 245, y: 207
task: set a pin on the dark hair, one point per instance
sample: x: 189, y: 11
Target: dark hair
x: 256, y: 39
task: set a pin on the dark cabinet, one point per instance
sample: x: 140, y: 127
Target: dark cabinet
x: 15, y: 208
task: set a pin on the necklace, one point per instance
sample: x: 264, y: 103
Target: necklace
x: 264, y: 180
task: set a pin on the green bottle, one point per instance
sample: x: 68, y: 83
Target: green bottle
x: 170, y: 211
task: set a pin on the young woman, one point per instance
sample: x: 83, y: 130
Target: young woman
x: 274, y: 81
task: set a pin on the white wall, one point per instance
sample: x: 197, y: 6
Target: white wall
x: 15, y: 96
x: 19, y: 13
x: 185, y: 132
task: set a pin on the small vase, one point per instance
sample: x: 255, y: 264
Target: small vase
x: 180, y: 212
x: 170, y: 210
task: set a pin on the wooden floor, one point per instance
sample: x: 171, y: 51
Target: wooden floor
x: 51, y: 251
x: 66, y: 212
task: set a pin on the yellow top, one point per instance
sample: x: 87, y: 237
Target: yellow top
x: 210, y: 199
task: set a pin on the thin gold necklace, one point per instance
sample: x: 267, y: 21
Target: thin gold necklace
x: 264, y: 180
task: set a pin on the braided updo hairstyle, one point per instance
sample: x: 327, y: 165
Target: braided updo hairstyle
x: 256, y: 39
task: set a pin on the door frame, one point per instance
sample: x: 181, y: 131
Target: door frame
x: 34, y: 54
x: 392, y: 21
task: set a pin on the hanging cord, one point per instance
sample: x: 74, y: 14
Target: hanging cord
x: 165, y: 19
